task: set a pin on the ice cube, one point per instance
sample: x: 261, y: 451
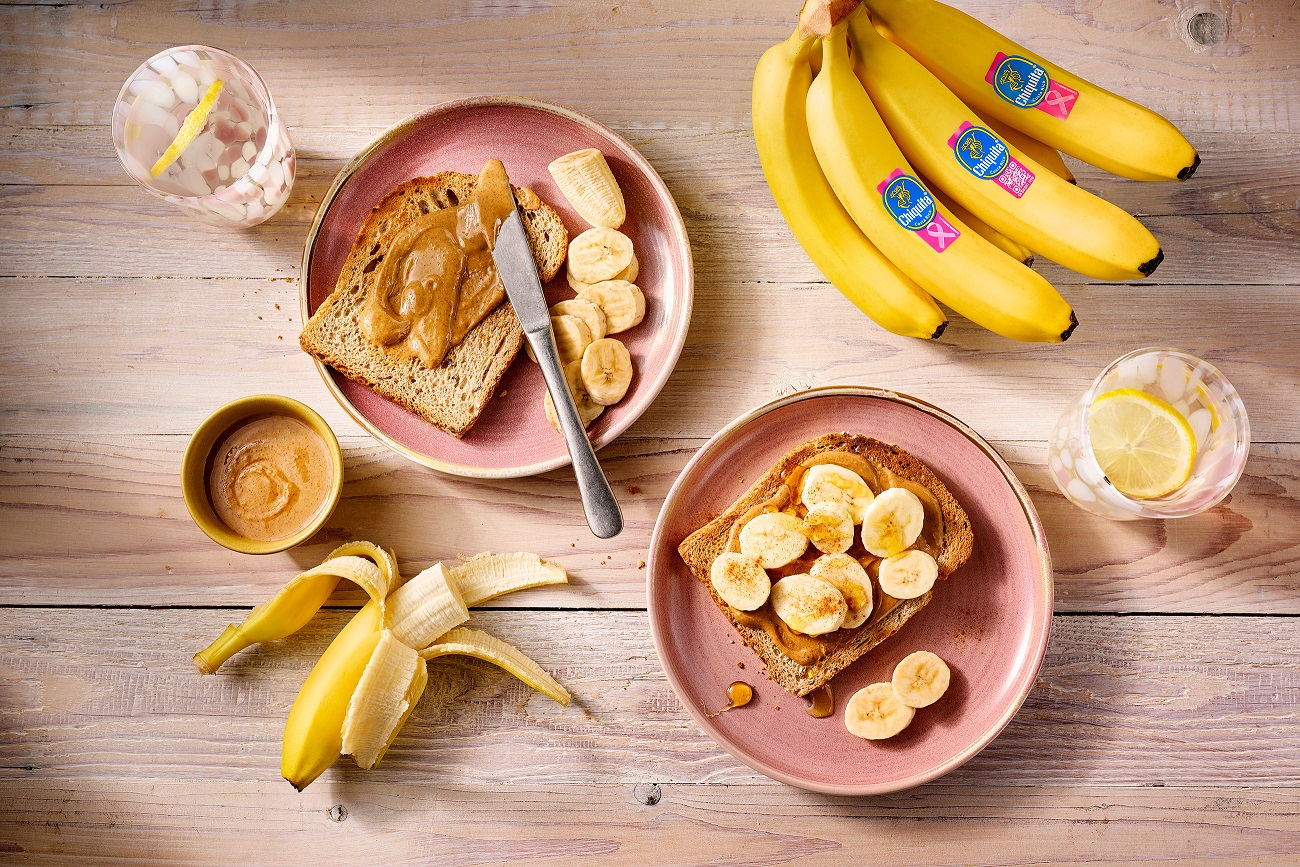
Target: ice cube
x: 1200, y: 422
x: 1173, y: 378
x: 158, y: 93
x: 186, y: 87
x: 189, y: 58
x: 1146, y: 368
x: 164, y: 65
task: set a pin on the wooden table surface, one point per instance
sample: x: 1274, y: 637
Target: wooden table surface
x: 1163, y: 725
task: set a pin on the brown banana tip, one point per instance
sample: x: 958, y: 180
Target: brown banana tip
x: 943, y: 326
x: 1074, y: 323
x: 1150, y: 266
x: 1029, y: 263
x: 1190, y: 170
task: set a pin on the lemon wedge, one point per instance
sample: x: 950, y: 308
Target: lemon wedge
x: 189, y: 130
x: 1143, y: 445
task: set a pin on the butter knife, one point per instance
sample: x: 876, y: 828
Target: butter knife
x: 514, y: 261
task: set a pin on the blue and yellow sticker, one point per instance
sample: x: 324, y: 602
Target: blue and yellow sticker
x: 1020, y: 81
x: 909, y: 203
x: 981, y: 152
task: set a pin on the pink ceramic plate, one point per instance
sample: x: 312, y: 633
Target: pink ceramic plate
x: 989, y: 620
x: 512, y: 438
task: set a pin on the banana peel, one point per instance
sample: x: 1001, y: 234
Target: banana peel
x: 368, y: 681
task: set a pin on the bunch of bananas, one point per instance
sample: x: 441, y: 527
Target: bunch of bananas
x: 913, y: 151
x: 369, y: 679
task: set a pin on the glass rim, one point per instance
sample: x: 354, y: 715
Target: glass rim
x: 263, y: 92
x: 1241, y: 422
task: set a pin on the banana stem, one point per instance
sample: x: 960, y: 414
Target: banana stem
x: 230, y: 642
x: 817, y: 17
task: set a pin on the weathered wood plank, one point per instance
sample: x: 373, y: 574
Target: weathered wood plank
x: 1121, y: 701
x: 686, y: 63
x: 126, y: 356
x: 390, y: 823
x: 100, y: 521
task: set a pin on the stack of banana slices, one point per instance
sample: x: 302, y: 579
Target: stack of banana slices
x: 882, y: 710
x: 836, y: 591
x: 914, y: 153
x: 602, y: 266
x: 367, y: 682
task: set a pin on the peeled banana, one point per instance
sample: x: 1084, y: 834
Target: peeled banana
x: 908, y: 575
x: 892, y: 522
x: 775, y: 539
x: 740, y: 581
x: 920, y: 679
x: 809, y: 605
x: 875, y: 712
x: 1000, y: 78
x: 820, y: 224
x: 606, y: 371
x: 585, y: 179
x: 623, y: 303
x: 599, y: 254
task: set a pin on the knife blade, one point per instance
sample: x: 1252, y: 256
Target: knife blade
x: 518, y: 270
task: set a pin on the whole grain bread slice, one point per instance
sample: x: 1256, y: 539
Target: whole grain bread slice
x: 701, y: 547
x: 454, y: 394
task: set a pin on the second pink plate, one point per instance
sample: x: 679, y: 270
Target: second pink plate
x: 512, y: 438
x: 989, y: 620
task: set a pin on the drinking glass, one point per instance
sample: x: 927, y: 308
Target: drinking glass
x: 1194, y: 388
x: 239, y: 169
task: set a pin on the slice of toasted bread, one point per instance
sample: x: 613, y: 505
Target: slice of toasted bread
x: 701, y: 547
x: 454, y: 394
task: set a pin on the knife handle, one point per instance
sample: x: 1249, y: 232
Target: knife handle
x: 603, y: 513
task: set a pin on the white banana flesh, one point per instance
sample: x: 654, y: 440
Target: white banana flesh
x: 599, y: 254
x: 875, y: 713
x: 623, y: 303
x: 921, y: 679
x: 585, y: 179
x: 630, y: 273
x: 740, y: 581
x: 588, y: 409
x: 606, y: 370
x: 487, y: 576
x: 846, y: 575
x: 829, y: 526
x: 831, y: 483
x: 390, y: 687
x: 809, y: 605
x: 908, y: 575
x: 426, y: 607
x: 775, y: 539
x: 587, y: 312
x: 892, y: 522
x: 481, y: 645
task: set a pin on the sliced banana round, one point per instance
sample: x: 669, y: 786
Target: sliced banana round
x: 584, y: 310
x: 588, y: 409
x: 908, y: 575
x: 599, y: 254
x: 875, y: 713
x: 892, y: 522
x: 572, y: 336
x: 833, y: 483
x: 775, y: 539
x: 629, y: 274
x: 606, y: 370
x: 740, y: 581
x: 808, y: 605
x: 622, y: 302
x: 829, y: 526
x: 588, y: 184
x: 846, y: 575
x: 921, y: 679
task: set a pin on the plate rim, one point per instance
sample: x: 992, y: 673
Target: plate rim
x: 1045, y: 586
x: 358, y: 160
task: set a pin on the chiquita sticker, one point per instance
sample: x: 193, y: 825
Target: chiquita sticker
x: 912, y: 206
x: 987, y: 157
x: 1025, y: 84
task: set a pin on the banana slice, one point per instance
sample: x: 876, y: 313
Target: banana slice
x: 846, y: 575
x: 892, y: 522
x: 831, y: 483
x: 588, y: 409
x: 588, y: 184
x: 740, y: 581
x: 829, y: 526
x: 572, y: 337
x: 622, y: 302
x: 775, y: 539
x: 921, y: 679
x: 599, y: 254
x: 908, y: 575
x: 809, y: 605
x: 584, y: 310
x: 875, y: 713
x: 607, y: 372
x: 629, y: 274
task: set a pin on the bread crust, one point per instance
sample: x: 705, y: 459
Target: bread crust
x: 453, y: 395
x: 700, y: 548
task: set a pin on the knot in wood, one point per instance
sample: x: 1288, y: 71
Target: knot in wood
x: 648, y: 793
x: 337, y: 813
x: 1207, y: 28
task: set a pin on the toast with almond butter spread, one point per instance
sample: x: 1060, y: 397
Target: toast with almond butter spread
x: 846, y: 617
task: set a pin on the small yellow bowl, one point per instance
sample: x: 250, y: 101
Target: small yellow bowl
x: 194, y: 483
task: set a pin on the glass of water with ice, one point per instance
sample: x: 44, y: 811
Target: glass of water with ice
x: 1159, y: 434
x: 196, y: 126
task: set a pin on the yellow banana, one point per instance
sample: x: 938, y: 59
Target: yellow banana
x: 1006, y: 81
x: 1046, y: 156
x: 819, y: 222
x: 997, y: 182
x: 1019, y: 252
x: 879, y: 188
x: 313, y: 733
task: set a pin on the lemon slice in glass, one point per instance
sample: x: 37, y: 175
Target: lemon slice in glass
x: 1143, y: 445
x: 189, y: 130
